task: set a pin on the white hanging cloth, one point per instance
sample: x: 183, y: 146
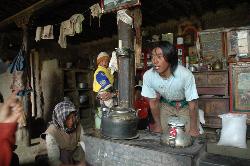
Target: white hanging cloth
x: 77, y: 20
x: 38, y: 34
x: 96, y: 11
x: 113, y: 63
x: 69, y: 28
x: 48, y: 32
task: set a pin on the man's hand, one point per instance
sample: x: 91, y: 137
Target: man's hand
x: 11, y: 110
x: 154, y: 106
x: 193, y: 105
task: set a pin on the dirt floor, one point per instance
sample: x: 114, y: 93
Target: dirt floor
x: 27, y: 154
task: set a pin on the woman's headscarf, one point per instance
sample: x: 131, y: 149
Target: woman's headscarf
x: 60, y: 114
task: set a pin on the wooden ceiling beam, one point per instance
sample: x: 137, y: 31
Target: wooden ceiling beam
x: 28, y: 11
x: 26, y: 3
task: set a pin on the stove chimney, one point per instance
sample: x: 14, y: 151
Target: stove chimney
x: 126, y: 64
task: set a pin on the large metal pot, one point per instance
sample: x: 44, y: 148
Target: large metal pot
x: 175, y: 135
x: 120, y: 123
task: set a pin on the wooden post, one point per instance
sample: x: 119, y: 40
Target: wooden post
x: 23, y: 136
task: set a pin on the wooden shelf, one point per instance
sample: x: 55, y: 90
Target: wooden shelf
x: 213, y: 97
x: 83, y: 89
x: 69, y: 89
x: 72, y: 78
x: 212, y: 71
x: 212, y: 86
x: 78, y: 70
x: 84, y: 106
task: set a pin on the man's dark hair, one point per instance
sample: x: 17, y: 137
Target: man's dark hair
x: 169, y: 53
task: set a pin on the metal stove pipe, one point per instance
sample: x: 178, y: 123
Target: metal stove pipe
x: 121, y: 121
x: 126, y: 62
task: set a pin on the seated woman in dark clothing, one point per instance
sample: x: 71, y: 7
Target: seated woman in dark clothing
x: 64, y: 136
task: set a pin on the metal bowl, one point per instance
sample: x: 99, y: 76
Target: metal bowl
x: 83, y: 85
x: 83, y: 99
x: 192, y: 68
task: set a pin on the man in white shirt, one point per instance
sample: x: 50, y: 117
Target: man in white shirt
x: 171, y: 89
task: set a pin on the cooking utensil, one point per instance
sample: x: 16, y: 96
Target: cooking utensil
x: 119, y: 123
x: 68, y: 65
x: 192, y: 68
x: 83, y: 99
x: 217, y: 65
x: 175, y: 135
x: 83, y: 85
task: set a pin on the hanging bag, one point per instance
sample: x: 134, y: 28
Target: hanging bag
x: 20, y: 80
x: 18, y: 68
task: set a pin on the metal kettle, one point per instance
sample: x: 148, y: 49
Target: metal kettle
x: 120, y: 123
x: 175, y: 135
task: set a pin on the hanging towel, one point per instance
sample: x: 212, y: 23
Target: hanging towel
x: 66, y: 29
x: 113, y: 63
x: 96, y: 11
x: 38, y: 33
x: 69, y: 28
x: 48, y: 32
x: 76, y: 20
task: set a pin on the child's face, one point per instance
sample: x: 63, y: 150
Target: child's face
x: 70, y: 120
x: 104, y: 63
x: 137, y: 94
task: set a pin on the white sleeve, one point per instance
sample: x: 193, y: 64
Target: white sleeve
x: 147, y: 90
x: 53, y: 150
x: 81, y: 139
x: 190, y: 89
